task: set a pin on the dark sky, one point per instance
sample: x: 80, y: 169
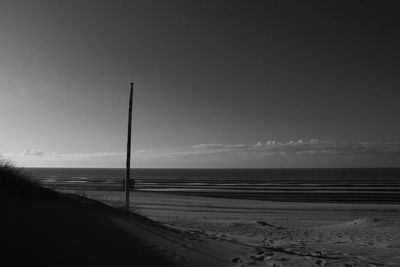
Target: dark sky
x: 225, y: 73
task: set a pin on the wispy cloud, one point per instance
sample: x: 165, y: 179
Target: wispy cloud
x: 33, y: 152
x: 276, y: 148
x: 38, y: 153
x: 260, y: 150
x: 36, y: 157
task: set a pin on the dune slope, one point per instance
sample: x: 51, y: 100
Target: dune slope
x: 41, y: 227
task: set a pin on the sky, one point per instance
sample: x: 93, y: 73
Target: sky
x: 218, y: 84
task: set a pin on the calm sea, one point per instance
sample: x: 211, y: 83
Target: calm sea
x: 311, y: 185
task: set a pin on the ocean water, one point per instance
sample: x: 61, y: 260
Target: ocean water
x: 309, y: 185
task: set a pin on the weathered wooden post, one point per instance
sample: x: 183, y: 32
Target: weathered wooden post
x: 128, y: 151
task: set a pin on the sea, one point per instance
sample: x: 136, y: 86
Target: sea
x: 362, y: 185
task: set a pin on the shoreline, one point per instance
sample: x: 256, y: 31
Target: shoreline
x: 390, y: 197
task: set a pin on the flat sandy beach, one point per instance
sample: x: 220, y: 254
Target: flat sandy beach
x: 234, y: 232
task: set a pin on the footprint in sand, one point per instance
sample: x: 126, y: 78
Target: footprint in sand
x: 264, y: 224
x: 236, y: 260
x: 275, y: 264
x: 259, y: 258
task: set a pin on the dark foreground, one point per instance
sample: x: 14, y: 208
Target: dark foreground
x: 43, y: 228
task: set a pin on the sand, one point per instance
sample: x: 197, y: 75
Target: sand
x: 203, y: 231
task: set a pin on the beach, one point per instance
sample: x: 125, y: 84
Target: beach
x: 264, y: 233
x: 260, y: 217
x: 91, y: 228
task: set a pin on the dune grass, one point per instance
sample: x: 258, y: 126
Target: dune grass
x: 15, y: 181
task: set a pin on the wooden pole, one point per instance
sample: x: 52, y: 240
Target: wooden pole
x: 128, y: 151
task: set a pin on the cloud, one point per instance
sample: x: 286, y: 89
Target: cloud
x: 312, y: 147
x: 88, y: 155
x: 271, y: 149
x: 38, y: 158
x: 33, y: 152
x: 38, y: 153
